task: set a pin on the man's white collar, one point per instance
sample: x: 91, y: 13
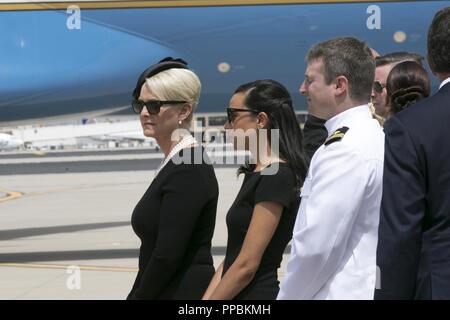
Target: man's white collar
x: 444, y: 83
x: 334, y: 123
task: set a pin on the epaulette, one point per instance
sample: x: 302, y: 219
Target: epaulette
x: 336, y: 136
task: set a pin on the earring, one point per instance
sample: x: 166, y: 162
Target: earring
x: 179, y: 122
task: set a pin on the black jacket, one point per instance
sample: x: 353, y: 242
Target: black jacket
x: 414, y: 233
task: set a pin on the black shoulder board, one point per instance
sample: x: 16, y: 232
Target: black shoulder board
x: 337, y: 135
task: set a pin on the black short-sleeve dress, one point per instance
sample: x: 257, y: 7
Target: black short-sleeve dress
x: 257, y: 187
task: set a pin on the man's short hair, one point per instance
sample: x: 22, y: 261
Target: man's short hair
x: 397, y: 57
x: 350, y: 58
x: 439, y: 42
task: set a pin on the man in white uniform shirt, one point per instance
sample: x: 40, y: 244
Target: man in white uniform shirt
x: 333, y: 253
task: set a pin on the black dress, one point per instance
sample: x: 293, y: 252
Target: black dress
x: 279, y: 188
x: 175, y: 221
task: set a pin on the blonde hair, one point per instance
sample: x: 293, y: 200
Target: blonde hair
x: 176, y: 84
x: 380, y: 119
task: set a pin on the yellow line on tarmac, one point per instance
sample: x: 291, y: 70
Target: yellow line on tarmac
x: 39, y: 153
x: 10, y: 195
x: 86, y: 268
x: 62, y: 266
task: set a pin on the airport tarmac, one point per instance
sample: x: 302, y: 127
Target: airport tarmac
x: 67, y: 234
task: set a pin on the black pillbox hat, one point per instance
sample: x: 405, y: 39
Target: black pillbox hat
x: 164, y: 64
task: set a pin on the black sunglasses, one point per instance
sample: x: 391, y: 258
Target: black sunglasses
x: 378, y: 87
x: 153, y: 106
x: 231, y: 113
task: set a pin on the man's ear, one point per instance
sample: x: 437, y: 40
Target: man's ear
x: 431, y: 64
x: 341, y: 85
x: 185, y: 111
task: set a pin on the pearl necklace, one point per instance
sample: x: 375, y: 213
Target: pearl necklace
x: 184, y: 143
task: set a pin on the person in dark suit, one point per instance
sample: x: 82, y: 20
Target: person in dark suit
x: 413, y: 253
x: 175, y: 217
x: 314, y: 135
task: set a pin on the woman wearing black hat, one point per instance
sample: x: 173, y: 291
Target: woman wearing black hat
x: 175, y: 217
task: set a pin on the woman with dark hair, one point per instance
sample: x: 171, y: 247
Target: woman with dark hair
x: 261, y: 219
x: 407, y: 83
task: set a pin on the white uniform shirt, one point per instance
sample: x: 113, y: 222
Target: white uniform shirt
x: 333, y: 253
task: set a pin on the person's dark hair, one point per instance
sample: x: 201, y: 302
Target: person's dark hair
x: 407, y: 83
x: 272, y: 97
x: 396, y: 57
x: 439, y: 42
x: 347, y: 57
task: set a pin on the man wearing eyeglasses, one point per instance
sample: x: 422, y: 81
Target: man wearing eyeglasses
x: 384, y: 65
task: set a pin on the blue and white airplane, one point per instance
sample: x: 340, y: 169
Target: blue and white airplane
x: 58, y: 59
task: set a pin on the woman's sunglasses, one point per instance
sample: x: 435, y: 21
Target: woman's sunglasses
x: 378, y: 87
x: 231, y: 113
x: 153, y: 106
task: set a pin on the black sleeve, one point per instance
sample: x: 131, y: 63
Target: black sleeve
x: 314, y: 135
x: 184, y: 197
x: 135, y: 286
x: 402, y: 211
x: 279, y: 188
